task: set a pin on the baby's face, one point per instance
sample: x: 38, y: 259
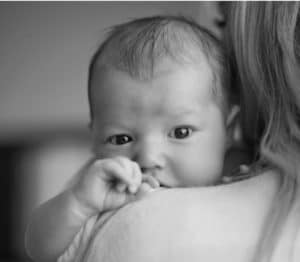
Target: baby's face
x: 170, y: 125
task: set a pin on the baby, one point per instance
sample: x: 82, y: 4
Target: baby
x: 161, y: 117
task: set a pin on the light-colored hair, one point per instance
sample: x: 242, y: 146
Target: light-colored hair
x: 265, y: 42
x: 136, y: 47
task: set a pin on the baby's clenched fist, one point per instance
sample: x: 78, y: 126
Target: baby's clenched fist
x: 107, y: 184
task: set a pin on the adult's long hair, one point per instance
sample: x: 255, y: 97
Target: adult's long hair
x: 264, y: 39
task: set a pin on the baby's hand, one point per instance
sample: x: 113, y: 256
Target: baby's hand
x: 107, y: 184
x: 148, y: 185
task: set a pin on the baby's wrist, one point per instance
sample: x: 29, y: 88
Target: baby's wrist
x: 80, y: 208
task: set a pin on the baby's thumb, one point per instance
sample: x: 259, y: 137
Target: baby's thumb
x: 115, y: 199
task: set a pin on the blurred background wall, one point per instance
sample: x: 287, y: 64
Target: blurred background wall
x: 45, y: 49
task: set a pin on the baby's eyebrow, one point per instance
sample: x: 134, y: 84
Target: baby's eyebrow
x: 185, y: 112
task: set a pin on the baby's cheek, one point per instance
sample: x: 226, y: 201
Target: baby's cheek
x: 198, y: 171
x: 105, y: 152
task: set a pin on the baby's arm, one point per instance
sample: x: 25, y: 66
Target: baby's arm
x: 105, y: 185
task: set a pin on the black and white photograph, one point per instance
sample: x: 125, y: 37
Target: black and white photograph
x: 150, y: 131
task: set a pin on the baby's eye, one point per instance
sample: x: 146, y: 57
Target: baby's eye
x: 181, y: 132
x: 119, y: 139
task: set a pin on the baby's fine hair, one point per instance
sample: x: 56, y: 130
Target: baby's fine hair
x: 137, y: 46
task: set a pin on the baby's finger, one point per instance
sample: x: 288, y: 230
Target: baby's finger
x: 113, y: 169
x: 131, y: 167
x: 144, y: 190
x: 137, y: 176
x: 150, y: 180
x: 117, y: 199
x: 121, y: 187
x: 106, y: 169
x: 122, y: 169
x: 133, y: 171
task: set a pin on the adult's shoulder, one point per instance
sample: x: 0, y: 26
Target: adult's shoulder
x: 221, y: 223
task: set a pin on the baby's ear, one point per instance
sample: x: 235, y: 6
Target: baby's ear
x: 234, y: 135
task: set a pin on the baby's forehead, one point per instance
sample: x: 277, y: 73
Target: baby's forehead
x: 176, y: 76
x: 178, y: 87
x: 167, y: 77
x: 161, y: 67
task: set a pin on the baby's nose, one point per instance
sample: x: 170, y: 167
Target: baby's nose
x: 150, y: 157
x: 150, y: 163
